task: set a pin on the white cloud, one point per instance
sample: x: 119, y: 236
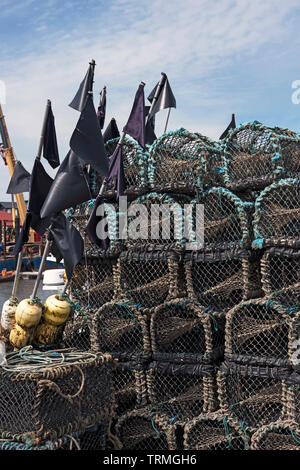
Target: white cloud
x: 134, y: 40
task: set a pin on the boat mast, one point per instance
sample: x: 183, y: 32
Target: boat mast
x: 11, y: 163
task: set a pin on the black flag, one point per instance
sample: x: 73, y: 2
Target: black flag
x: 232, y: 125
x: 80, y: 99
x: 102, y: 108
x: 69, y: 188
x: 135, y: 126
x: 23, y: 235
x: 87, y: 141
x: 165, y: 98
x: 68, y: 241
x: 150, y: 128
x: 111, y: 132
x: 116, y: 171
x: 100, y: 221
x: 19, y: 182
x: 50, y: 150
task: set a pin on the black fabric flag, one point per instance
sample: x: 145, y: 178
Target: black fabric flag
x: 19, y: 182
x: 232, y: 125
x: 87, y: 141
x: 69, y: 188
x: 68, y: 241
x: 50, y: 150
x: 91, y: 228
x: 23, y: 235
x: 135, y: 126
x: 116, y: 171
x: 165, y: 99
x: 80, y: 99
x: 111, y: 132
x: 150, y: 128
x: 102, y: 108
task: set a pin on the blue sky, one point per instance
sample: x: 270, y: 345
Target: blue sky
x: 221, y: 57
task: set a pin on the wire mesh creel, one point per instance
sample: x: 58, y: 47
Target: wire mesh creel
x: 149, y: 277
x: 220, y: 279
x: 215, y: 431
x: 145, y: 430
x: 254, y: 156
x: 280, y: 269
x: 254, y: 395
x: 121, y: 328
x: 181, y: 391
x: 183, y: 328
x: 135, y: 164
x: 262, y: 331
x: 176, y: 161
x: 276, y: 219
x: 47, y: 401
x: 281, y: 435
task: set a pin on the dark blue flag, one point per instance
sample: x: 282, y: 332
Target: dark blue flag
x: 86, y: 86
x: 19, y: 182
x: 232, y: 125
x: 111, y: 132
x: 135, y: 126
x: 95, y: 229
x: 50, y: 150
x: 102, y: 108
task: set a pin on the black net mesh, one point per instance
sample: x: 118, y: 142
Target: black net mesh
x: 120, y: 328
x: 48, y: 402
x: 143, y: 430
x: 260, y: 329
x: 77, y: 332
x: 219, y: 284
x: 215, y: 431
x: 129, y: 385
x: 280, y: 271
x: 253, y: 399
x: 277, y: 212
x: 182, y: 327
x: 282, y: 435
x: 226, y: 218
x: 251, y: 156
x: 175, y: 161
x: 179, y: 391
x: 158, y: 221
x: 135, y: 169
x: 149, y: 280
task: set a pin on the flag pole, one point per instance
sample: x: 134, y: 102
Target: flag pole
x: 167, y: 120
x: 156, y: 94
x: 39, y: 153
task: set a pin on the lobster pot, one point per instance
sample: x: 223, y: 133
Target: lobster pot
x: 181, y: 390
x: 293, y: 387
x: 280, y: 269
x: 158, y: 219
x: 227, y: 219
x: 261, y: 331
x: 255, y: 156
x: 277, y: 215
x: 281, y: 435
x: 92, y: 283
x: 129, y: 386
x: 211, y: 159
x: 215, y: 431
x: 121, y: 328
x: 255, y: 395
x: 47, y: 401
x: 108, y: 226
x: 145, y: 430
x: 135, y: 169
x: 183, y: 328
x: 93, y: 438
x: 150, y: 278
x: 220, y: 279
x: 77, y: 329
x: 175, y: 162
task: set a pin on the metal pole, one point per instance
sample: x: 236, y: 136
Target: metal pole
x: 157, y: 92
x: 166, y: 125
x: 17, y: 276
x: 41, y: 267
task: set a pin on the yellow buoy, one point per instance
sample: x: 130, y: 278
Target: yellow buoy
x: 56, y: 313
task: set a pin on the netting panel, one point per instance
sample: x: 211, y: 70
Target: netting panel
x: 282, y: 435
x: 279, y: 272
x: 277, y: 211
x: 130, y: 389
x: 214, y: 432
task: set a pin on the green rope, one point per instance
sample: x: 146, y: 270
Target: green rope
x: 295, y: 437
x: 227, y: 433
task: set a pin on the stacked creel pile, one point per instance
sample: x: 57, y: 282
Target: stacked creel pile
x: 205, y: 338
x: 55, y: 400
